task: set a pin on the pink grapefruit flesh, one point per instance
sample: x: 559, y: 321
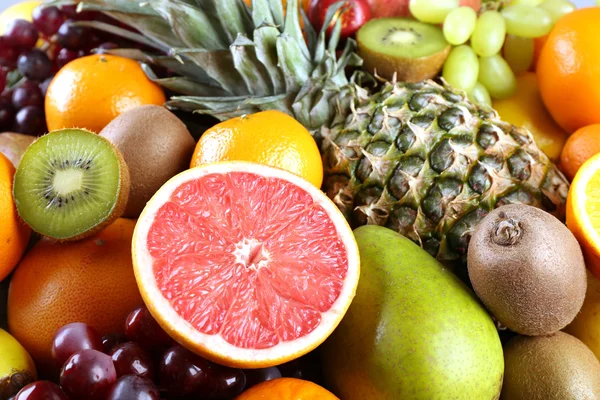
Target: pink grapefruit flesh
x: 244, y: 264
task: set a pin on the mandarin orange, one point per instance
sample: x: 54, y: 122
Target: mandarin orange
x: 89, y: 281
x: 270, y: 137
x: 581, y: 146
x: 287, y: 389
x: 568, y: 70
x: 91, y: 91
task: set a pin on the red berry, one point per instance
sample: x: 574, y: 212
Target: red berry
x: 27, y: 94
x: 22, y: 34
x: 131, y: 359
x: 88, y: 375
x: 65, y: 56
x: 8, y: 54
x: 133, y: 387
x: 41, y: 390
x: 30, y: 120
x: 47, y: 20
x: 3, y: 75
x: 142, y: 328
x: 73, y: 338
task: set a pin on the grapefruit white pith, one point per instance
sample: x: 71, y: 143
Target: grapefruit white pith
x: 247, y: 265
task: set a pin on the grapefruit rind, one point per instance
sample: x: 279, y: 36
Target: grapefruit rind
x: 214, y: 347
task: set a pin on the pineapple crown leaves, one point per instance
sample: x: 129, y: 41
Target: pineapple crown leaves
x: 233, y: 60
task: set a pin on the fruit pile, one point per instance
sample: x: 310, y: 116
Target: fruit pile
x: 300, y: 200
x: 32, y: 50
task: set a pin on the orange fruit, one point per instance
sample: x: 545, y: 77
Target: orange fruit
x: 581, y: 145
x: 269, y: 137
x: 91, y: 91
x: 287, y: 389
x: 247, y: 265
x: 87, y: 281
x: 14, y: 234
x: 525, y: 108
x: 569, y: 70
x: 583, y: 218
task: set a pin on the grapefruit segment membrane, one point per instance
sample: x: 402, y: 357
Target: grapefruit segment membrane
x: 247, y: 265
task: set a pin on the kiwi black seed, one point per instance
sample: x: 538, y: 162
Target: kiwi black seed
x: 554, y: 367
x: 410, y: 50
x: 528, y: 269
x: 70, y: 184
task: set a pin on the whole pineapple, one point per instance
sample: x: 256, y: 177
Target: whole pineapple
x: 419, y: 158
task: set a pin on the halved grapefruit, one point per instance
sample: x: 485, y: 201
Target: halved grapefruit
x: 247, y: 265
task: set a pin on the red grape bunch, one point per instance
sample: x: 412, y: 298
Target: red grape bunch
x: 144, y: 363
x: 32, y: 52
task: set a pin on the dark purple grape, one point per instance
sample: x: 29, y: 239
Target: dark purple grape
x: 65, y: 56
x: 27, y: 94
x: 92, y: 41
x: 182, y: 372
x: 131, y: 359
x: 8, y: 54
x: 72, y: 37
x: 3, y: 75
x: 73, y: 338
x: 47, y: 20
x: 30, y: 120
x: 7, y: 113
x: 142, y: 328
x: 223, y: 383
x: 21, y: 34
x: 41, y: 390
x: 44, y: 85
x: 88, y: 374
x: 111, y: 340
x: 256, y: 376
x: 132, y: 387
x: 35, y: 65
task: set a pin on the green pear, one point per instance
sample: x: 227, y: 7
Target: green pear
x: 414, y: 331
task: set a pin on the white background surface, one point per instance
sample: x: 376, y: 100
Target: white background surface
x: 580, y: 3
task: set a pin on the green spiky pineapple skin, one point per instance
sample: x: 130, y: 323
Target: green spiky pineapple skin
x: 418, y: 158
x: 425, y: 161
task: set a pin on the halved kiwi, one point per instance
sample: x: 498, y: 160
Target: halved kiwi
x: 70, y: 184
x: 412, y: 50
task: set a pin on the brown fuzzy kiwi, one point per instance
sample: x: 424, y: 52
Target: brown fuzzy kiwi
x: 70, y: 184
x: 156, y: 146
x: 528, y: 269
x: 555, y: 367
x: 409, y: 50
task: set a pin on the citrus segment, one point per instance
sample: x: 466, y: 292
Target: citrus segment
x: 583, y: 212
x: 245, y: 264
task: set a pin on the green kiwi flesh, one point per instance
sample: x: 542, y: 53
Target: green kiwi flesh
x: 555, y: 367
x: 70, y: 184
x: 411, y: 50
